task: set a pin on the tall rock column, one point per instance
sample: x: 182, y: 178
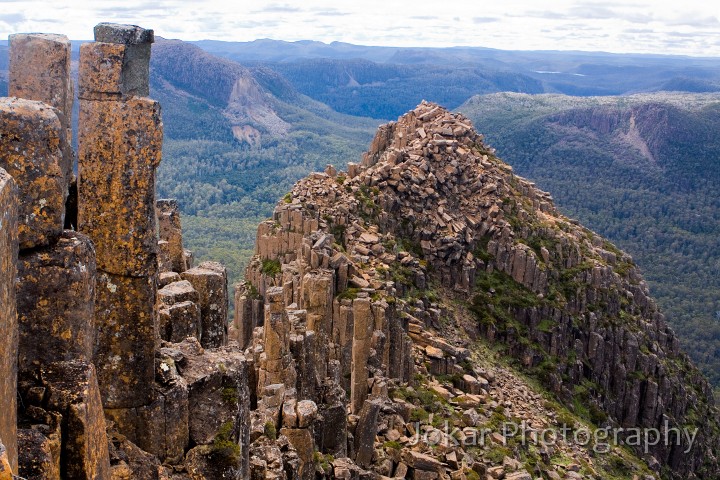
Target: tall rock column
x: 168, y: 214
x: 55, y: 270
x: 362, y: 339
x: 119, y: 143
x: 8, y: 316
x: 39, y: 69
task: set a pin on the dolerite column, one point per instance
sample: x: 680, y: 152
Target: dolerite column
x: 8, y: 316
x: 119, y: 148
x: 362, y: 338
x: 210, y: 280
x: 168, y: 214
x: 32, y: 141
x: 39, y: 69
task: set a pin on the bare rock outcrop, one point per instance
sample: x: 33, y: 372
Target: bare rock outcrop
x: 391, y: 268
x: 81, y: 311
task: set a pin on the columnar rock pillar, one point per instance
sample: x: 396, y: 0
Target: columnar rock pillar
x: 362, y: 339
x: 8, y: 317
x: 40, y: 70
x: 168, y: 215
x: 210, y: 280
x: 119, y: 142
x: 32, y: 142
x: 55, y: 286
x: 278, y: 366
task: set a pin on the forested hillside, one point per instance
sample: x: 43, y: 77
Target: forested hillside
x: 225, y: 185
x: 385, y: 82
x: 643, y: 171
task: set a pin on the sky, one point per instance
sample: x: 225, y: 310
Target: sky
x: 679, y: 27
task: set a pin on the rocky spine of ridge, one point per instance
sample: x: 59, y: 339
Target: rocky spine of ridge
x: 342, y: 293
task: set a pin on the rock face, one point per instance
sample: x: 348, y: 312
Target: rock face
x: 72, y: 391
x: 87, y: 304
x: 8, y: 318
x: 32, y: 141
x: 40, y: 70
x: 116, y: 209
x: 125, y: 318
x: 56, y: 302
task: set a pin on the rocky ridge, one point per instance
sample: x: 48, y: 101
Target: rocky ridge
x: 431, y: 220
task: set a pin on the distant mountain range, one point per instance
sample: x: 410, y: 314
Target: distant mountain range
x: 384, y: 82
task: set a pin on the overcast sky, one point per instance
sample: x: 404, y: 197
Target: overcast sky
x: 685, y: 27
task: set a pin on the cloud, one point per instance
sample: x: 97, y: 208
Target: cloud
x: 695, y: 21
x: 575, y: 27
x: 485, y: 19
x: 548, y: 15
x: 638, y: 30
x: 424, y: 17
x: 589, y: 12
x: 11, y: 18
x: 329, y: 12
x: 278, y: 8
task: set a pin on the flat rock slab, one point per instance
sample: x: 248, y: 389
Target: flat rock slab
x: 32, y: 142
x: 123, y: 33
x: 56, y: 302
x: 176, y: 292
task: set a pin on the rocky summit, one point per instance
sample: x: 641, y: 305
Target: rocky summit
x: 426, y: 314
x: 430, y: 287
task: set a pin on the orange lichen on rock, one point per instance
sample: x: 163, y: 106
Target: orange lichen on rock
x: 32, y: 142
x: 39, y: 69
x: 119, y: 150
x: 72, y: 391
x: 125, y: 316
x: 56, y: 302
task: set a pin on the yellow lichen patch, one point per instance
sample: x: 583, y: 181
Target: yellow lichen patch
x: 32, y: 142
x: 119, y: 148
